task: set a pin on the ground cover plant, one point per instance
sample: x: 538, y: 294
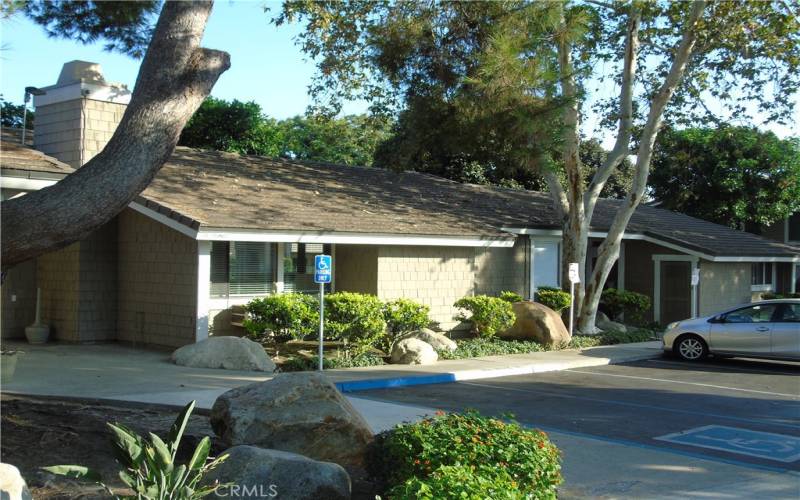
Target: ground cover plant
x: 464, y: 455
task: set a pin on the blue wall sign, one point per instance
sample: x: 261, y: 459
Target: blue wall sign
x: 323, y: 269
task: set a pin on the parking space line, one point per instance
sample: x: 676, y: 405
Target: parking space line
x: 636, y: 405
x: 794, y: 396
x: 723, y: 367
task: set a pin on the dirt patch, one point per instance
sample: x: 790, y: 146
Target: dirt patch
x: 37, y: 432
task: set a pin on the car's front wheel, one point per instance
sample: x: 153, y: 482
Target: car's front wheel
x: 691, y: 348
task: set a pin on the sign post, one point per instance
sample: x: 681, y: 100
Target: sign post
x: 323, y: 269
x: 574, y: 277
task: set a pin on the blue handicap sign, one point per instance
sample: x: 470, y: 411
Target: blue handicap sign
x: 322, y: 269
x: 768, y: 445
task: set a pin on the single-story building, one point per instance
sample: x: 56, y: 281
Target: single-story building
x: 214, y: 230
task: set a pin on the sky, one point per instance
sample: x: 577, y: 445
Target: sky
x: 267, y: 66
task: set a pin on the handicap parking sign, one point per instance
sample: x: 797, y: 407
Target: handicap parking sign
x: 322, y: 269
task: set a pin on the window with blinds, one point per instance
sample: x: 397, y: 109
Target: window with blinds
x: 298, y: 266
x: 242, y: 268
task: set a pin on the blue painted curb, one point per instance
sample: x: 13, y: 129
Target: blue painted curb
x: 388, y: 383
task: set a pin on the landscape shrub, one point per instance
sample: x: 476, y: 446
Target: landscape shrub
x: 150, y: 468
x: 305, y: 364
x: 615, y: 302
x: 512, y: 297
x: 404, y: 316
x: 771, y: 296
x: 488, y: 315
x: 356, y: 319
x: 554, y: 298
x: 484, y: 457
x: 611, y: 338
x: 475, y: 348
x: 287, y: 315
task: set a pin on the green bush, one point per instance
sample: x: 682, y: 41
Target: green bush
x: 554, y: 298
x: 512, y: 297
x: 444, y: 455
x: 489, y: 315
x: 304, y: 364
x: 150, y: 468
x: 403, y: 316
x: 615, y: 302
x: 475, y: 348
x: 462, y: 483
x: 287, y: 315
x: 771, y: 296
x: 356, y: 319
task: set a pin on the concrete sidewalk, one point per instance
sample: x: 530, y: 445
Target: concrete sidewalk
x: 123, y: 373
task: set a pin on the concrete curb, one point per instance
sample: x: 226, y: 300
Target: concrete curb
x: 462, y: 375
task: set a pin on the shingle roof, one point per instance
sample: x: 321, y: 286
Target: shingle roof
x: 229, y: 191
x: 19, y: 160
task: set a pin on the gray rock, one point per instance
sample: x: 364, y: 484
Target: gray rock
x: 537, y: 322
x: 413, y: 352
x: 256, y: 473
x: 601, y: 317
x: 231, y: 353
x: 296, y: 412
x: 438, y: 341
x: 12, y: 485
x: 610, y: 326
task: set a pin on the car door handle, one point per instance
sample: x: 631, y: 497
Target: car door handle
x: 762, y: 329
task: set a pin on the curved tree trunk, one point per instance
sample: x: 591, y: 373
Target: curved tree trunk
x: 175, y: 77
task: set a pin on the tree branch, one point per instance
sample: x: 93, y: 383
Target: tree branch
x: 175, y: 77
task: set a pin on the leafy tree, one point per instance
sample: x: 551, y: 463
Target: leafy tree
x: 239, y: 127
x: 175, y: 76
x: 122, y: 26
x: 536, y: 64
x: 737, y: 176
x: 11, y: 115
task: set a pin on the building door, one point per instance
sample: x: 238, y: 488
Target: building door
x: 676, y: 291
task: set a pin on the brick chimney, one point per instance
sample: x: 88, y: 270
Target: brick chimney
x: 77, y: 116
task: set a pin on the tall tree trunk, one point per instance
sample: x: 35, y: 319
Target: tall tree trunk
x: 574, y: 227
x: 608, y: 253
x: 175, y: 77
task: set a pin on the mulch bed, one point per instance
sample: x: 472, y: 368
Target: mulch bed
x: 42, y: 431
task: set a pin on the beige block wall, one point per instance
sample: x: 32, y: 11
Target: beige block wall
x: 439, y: 276
x: 97, y: 304
x: 356, y: 268
x: 501, y: 269
x: 18, y: 299
x: 58, y: 274
x: 157, y: 273
x: 76, y: 129
x: 723, y: 285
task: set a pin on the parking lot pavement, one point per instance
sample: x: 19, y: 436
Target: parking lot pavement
x: 724, y: 413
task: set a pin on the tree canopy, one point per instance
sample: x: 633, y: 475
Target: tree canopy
x: 11, y: 115
x: 242, y: 127
x: 736, y: 176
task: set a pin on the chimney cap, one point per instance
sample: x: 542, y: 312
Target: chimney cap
x: 81, y: 71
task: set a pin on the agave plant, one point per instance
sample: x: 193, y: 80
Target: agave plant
x: 149, y: 466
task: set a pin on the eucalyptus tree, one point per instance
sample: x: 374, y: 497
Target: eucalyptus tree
x: 547, y: 65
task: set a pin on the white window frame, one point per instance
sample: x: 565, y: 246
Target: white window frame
x: 765, y: 286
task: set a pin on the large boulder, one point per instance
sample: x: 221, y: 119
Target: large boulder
x: 296, y: 412
x: 256, y: 473
x: 537, y: 322
x: 609, y: 326
x: 232, y: 353
x: 413, y: 352
x: 438, y: 341
x: 12, y: 485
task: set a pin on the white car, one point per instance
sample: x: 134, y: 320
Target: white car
x: 766, y: 329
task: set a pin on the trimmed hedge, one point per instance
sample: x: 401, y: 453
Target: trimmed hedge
x: 403, y: 316
x: 286, y: 315
x: 356, y: 319
x: 464, y: 456
x: 488, y: 315
x: 554, y: 298
x: 615, y: 302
